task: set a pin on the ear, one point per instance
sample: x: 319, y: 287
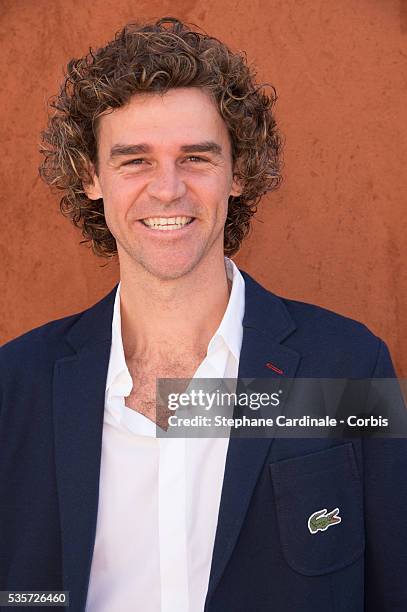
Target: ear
x: 92, y: 188
x: 237, y: 187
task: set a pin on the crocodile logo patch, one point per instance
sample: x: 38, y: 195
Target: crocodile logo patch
x: 322, y: 519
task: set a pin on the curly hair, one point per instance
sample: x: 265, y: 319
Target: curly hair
x: 154, y: 58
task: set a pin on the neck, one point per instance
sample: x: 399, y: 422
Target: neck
x: 162, y: 318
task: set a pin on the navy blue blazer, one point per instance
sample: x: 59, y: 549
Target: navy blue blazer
x: 265, y: 558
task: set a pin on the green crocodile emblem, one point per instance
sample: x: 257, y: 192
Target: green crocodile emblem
x: 320, y: 520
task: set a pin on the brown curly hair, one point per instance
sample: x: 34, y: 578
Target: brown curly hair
x: 154, y: 58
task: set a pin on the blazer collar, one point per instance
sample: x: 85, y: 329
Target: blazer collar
x: 94, y: 324
x: 264, y: 311
x: 79, y: 395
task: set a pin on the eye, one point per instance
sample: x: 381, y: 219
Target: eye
x: 134, y: 162
x: 196, y: 158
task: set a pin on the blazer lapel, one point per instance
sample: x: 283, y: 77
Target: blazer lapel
x: 266, y: 323
x: 79, y: 390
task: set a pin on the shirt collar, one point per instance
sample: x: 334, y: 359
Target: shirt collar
x: 118, y: 372
x: 230, y: 331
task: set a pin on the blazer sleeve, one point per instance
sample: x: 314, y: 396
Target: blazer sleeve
x: 385, y: 497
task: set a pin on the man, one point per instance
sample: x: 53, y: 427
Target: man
x: 162, y: 145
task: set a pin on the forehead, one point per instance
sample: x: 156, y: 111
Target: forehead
x: 178, y: 116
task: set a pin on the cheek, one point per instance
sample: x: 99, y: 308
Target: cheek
x: 215, y: 193
x: 117, y: 201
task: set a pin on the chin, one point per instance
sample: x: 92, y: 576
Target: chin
x: 170, y: 270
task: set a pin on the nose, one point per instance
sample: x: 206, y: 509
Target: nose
x: 166, y: 184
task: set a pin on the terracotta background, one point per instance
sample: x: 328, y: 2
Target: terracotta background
x: 334, y: 234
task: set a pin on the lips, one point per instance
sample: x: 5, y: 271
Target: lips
x: 167, y: 223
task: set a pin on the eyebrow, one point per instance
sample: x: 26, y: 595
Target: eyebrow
x: 203, y: 147
x: 119, y: 150
x: 207, y: 146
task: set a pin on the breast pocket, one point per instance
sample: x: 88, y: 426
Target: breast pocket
x: 319, y: 509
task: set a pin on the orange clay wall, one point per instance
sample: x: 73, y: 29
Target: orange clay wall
x: 335, y: 234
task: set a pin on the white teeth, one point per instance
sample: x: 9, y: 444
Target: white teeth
x: 170, y: 223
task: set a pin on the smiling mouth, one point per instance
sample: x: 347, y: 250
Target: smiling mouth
x: 166, y: 223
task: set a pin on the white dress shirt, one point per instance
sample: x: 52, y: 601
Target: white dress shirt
x: 159, y: 497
